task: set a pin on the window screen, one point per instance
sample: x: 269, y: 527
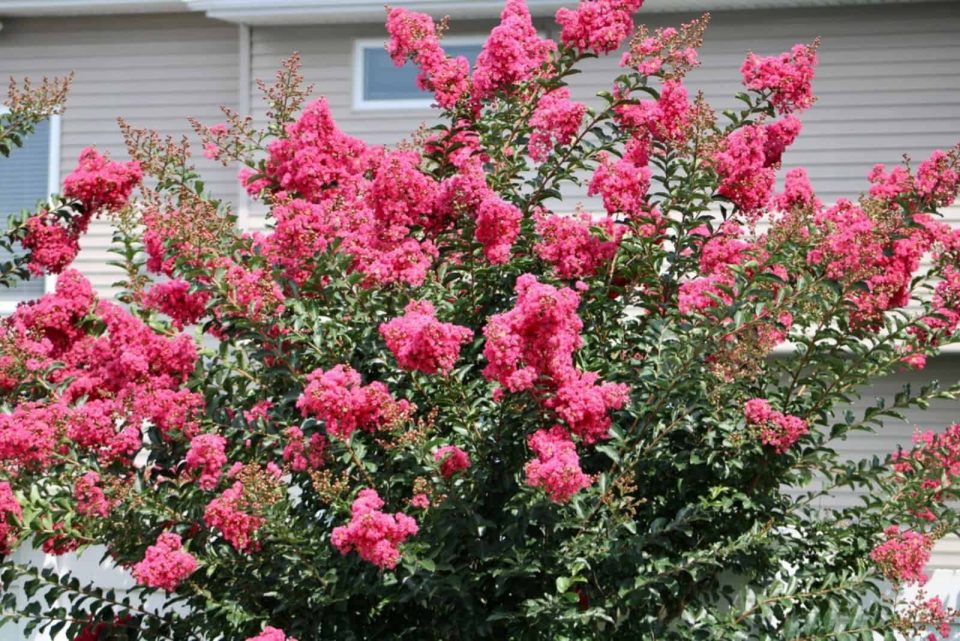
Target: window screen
x: 23, y: 182
x: 384, y: 81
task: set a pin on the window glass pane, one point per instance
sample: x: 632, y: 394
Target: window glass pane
x: 23, y: 182
x: 382, y: 80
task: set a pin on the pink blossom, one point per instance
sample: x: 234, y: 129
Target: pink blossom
x: 557, y: 466
x: 667, y: 118
x: 315, y: 156
x: 452, y: 460
x: 567, y: 243
x: 513, y: 53
x: 207, y: 455
x: 777, y: 430
x: 903, y: 555
x: 420, y: 501
x: 52, y: 246
x: 786, y: 77
x: 271, y: 634
x: 703, y: 293
x: 780, y: 135
x: 91, y: 500
x: 413, y: 36
x: 583, y: 405
x: 937, y: 180
x: 259, y: 411
x: 555, y: 121
x: 422, y: 343
x: 302, y: 455
x: 373, y: 534
x: 498, y: 225
x: 745, y: 178
x: 174, y: 298
x: 165, y: 565
x: 669, y: 52
x: 336, y: 397
x: 622, y: 184
x: 302, y: 231
x: 10, y: 515
x: 536, y: 339
x: 228, y: 514
x: 797, y: 192
x: 600, y: 26
x: 98, y: 182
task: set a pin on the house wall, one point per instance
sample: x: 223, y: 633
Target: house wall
x: 154, y: 70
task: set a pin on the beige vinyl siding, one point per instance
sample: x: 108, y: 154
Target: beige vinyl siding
x: 154, y: 70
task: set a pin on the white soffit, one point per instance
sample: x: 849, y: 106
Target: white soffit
x: 278, y: 12
x: 88, y: 7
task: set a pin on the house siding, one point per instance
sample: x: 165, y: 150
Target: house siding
x: 154, y: 70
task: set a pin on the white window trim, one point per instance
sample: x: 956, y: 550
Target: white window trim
x: 360, y: 104
x: 53, y: 187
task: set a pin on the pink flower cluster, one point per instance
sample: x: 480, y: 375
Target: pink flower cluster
x: 97, y: 183
x: 302, y: 231
x: 252, y: 292
x: 10, y: 515
x: 797, y: 193
x: 746, y: 163
x: 787, y: 78
x: 933, y: 460
x: 452, y: 460
x: 52, y: 246
x: 669, y: 52
x: 584, y: 405
x: 498, y: 225
x: 207, y: 456
x: 271, y: 634
x: 420, y: 342
x: 777, y: 430
x: 120, y: 376
x: 315, y: 156
x: 513, y: 53
x: 100, y: 183
x: 413, y: 36
x: 599, y: 26
x: 337, y: 397
x: 855, y: 248
x: 667, y: 118
x: 165, y: 565
x: 301, y: 454
x: 229, y: 514
x: 367, y: 198
x: 935, y: 184
x: 557, y: 466
x: 903, y: 555
x: 174, y: 298
x: 623, y: 183
x: 373, y: 534
x: 555, y: 121
x: 91, y: 500
x: 567, y: 243
x: 536, y: 339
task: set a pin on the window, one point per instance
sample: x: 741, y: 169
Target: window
x: 28, y: 175
x: 379, y: 84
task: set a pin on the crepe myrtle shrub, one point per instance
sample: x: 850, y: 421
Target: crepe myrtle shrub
x: 429, y: 402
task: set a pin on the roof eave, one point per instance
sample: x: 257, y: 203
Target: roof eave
x: 29, y: 8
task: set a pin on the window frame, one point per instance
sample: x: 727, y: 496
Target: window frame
x: 397, y: 104
x: 53, y: 187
